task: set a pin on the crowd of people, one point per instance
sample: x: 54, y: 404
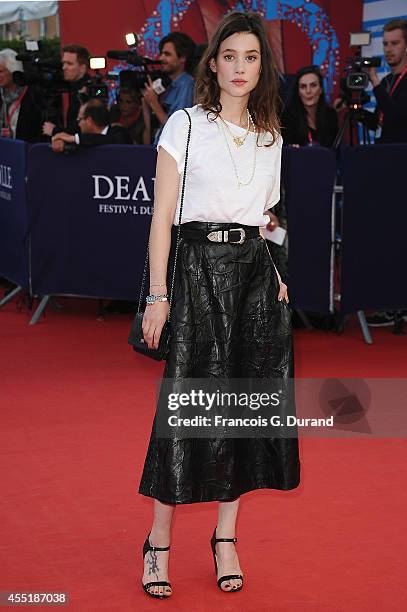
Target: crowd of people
x: 306, y: 118
x: 138, y: 116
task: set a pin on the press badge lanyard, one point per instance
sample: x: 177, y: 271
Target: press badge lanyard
x: 311, y: 141
x: 393, y: 89
x: 13, y: 108
x: 401, y: 75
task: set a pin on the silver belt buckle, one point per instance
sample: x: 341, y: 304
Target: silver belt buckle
x: 223, y: 236
x: 242, y: 235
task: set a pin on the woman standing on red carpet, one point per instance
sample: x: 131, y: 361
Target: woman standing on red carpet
x: 230, y: 316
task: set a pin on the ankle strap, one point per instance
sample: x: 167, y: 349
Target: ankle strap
x: 151, y: 547
x: 225, y: 539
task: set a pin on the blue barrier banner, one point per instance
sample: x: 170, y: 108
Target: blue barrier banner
x: 90, y: 213
x: 374, y: 242
x: 308, y: 176
x: 13, y: 211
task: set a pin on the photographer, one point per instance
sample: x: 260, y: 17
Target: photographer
x: 176, y: 55
x: 390, y: 118
x: 75, y: 65
x: 93, y: 118
x: 20, y: 112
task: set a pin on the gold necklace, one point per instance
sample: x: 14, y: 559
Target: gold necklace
x: 238, y: 140
x: 239, y: 182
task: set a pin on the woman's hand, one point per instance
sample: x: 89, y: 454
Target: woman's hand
x: 154, y: 318
x: 283, y: 294
x: 273, y: 223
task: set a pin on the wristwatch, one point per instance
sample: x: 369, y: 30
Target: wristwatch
x: 151, y: 299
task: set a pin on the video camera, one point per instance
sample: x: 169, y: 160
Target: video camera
x: 356, y: 77
x: 96, y: 87
x: 48, y: 77
x: 144, y: 67
x: 43, y: 73
x: 356, y: 80
x: 45, y: 77
x: 353, y: 90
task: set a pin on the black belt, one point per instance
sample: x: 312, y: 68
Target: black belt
x: 234, y: 233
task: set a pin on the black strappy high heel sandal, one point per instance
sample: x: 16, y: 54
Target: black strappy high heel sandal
x: 222, y: 579
x: 146, y: 548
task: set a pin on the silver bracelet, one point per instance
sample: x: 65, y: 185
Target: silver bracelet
x: 151, y: 299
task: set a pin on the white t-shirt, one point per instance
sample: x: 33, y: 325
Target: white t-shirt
x: 211, y: 188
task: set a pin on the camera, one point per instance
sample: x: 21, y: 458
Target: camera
x: 353, y: 88
x: 356, y: 78
x: 144, y: 67
x: 355, y: 82
x: 96, y: 87
x: 41, y: 72
x: 45, y: 77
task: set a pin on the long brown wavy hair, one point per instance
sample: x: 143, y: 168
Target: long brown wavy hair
x: 264, y: 98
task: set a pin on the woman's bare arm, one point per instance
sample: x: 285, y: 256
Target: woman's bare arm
x: 165, y: 203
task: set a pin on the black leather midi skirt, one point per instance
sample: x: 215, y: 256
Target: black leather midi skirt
x: 227, y: 323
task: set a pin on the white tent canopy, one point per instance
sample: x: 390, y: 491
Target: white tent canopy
x: 26, y: 11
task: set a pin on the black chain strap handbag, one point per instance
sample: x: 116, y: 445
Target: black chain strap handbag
x: 136, y: 336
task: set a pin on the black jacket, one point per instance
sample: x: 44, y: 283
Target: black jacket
x: 115, y: 135
x: 29, y: 122
x: 136, y: 129
x: 325, y: 134
x: 394, y: 109
x: 73, y: 108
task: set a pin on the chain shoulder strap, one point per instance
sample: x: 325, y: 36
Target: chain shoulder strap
x: 178, y: 232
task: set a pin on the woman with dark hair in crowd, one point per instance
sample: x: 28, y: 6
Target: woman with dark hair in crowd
x: 230, y: 317
x: 308, y: 119
x: 130, y: 113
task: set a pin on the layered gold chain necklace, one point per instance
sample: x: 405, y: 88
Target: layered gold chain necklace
x: 238, y: 140
x: 241, y: 140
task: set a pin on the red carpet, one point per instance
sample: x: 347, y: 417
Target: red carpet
x: 77, y: 407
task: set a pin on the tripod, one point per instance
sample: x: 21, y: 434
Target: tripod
x: 354, y: 114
